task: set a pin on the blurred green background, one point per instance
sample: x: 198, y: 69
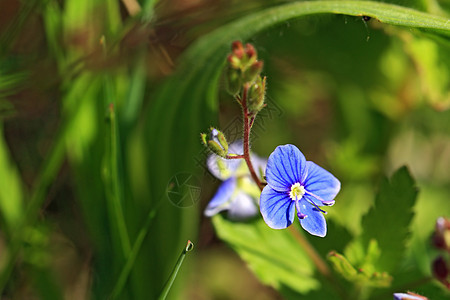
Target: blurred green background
x: 102, y: 103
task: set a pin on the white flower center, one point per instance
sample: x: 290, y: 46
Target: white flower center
x: 297, y: 191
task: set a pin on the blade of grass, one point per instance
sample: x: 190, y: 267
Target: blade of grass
x: 124, y: 274
x: 113, y: 183
x: 173, y: 275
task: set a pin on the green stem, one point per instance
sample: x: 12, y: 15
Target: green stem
x: 175, y: 270
x: 320, y: 264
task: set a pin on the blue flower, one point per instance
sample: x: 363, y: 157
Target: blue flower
x: 238, y: 193
x: 296, y: 184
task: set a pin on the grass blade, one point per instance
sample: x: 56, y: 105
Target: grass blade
x: 173, y: 275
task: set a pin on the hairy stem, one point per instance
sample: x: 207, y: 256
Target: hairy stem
x: 247, y: 125
x: 234, y: 157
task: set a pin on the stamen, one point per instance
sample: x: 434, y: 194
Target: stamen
x: 318, y: 207
x: 294, y: 196
x: 297, y: 206
x: 324, y: 202
x: 301, y: 216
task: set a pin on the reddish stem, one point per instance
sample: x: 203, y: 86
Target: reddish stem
x: 247, y: 125
x: 234, y: 156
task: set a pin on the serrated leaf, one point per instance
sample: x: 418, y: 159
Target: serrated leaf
x: 273, y: 255
x: 387, y: 222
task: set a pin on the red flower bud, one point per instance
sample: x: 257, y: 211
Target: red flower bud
x: 440, y: 269
x: 250, y: 51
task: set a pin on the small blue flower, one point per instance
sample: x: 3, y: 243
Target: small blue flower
x: 238, y: 193
x: 294, y: 183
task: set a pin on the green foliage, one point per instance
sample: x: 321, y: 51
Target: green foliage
x: 359, y: 277
x: 272, y: 254
x: 394, y: 206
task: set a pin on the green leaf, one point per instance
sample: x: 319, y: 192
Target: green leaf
x: 361, y: 277
x: 388, y: 223
x: 273, y: 255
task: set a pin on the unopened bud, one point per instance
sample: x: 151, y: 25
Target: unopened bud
x: 222, y: 141
x: 234, y: 61
x: 237, y: 46
x: 250, y: 51
x: 216, y: 148
x: 440, y: 269
x: 441, y: 235
x: 217, y: 142
x: 248, y: 58
x: 233, y: 80
x: 256, y: 94
x: 253, y: 71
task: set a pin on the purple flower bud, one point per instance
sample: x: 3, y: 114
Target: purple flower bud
x: 441, y: 235
x: 440, y: 269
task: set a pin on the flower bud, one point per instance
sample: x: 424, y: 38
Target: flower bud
x: 233, y: 80
x: 250, y: 51
x: 237, y: 47
x: 441, y: 235
x: 217, y: 142
x: 234, y: 61
x: 250, y: 56
x: 440, y: 269
x: 256, y: 94
x: 252, y: 73
x: 216, y: 148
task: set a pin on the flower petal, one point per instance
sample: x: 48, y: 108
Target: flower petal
x: 242, y: 207
x: 259, y: 164
x: 222, y: 199
x: 285, y: 167
x: 321, y: 183
x: 237, y: 147
x: 403, y: 296
x: 277, y: 209
x: 314, y: 222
